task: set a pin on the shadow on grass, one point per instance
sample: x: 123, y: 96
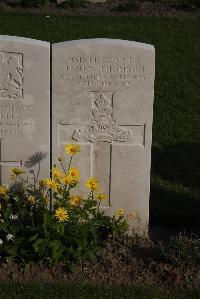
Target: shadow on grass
x: 175, y: 185
x: 179, y: 163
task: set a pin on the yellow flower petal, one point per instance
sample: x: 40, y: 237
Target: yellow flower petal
x: 120, y: 212
x: 62, y: 214
x: 42, y: 183
x: 57, y: 172
x: 75, y: 200
x: 69, y: 180
x: 74, y: 173
x: 101, y: 196
x: 52, y: 184
x: 92, y: 184
x: 3, y: 190
x: 132, y: 215
x: 72, y: 149
x: 16, y: 171
x: 31, y: 199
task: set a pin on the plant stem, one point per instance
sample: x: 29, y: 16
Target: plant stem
x: 25, y: 181
x: 89, y: 194
x: 34, y: 180
x: 50, y: 201
x: 70, y: 163
x: 32, y: 218
x: 38, y: 172
x: 63, y: 167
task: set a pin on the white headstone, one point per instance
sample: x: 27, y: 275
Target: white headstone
x: 103, y: 94
x: 24, y: 102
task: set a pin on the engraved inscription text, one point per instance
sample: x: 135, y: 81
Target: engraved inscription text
x: 103, y: 72
x: 13, y: 118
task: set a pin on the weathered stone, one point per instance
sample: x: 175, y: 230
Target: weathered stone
x: 103, y: 93
x: 24, y: 102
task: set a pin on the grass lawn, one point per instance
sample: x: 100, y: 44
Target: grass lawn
x: 175, y: 188
x: 62, y: 290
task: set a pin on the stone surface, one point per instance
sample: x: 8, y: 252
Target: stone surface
x: 103, y: 94
x: 24, y: 102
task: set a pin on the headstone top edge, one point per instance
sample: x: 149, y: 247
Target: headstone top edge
x: 105, y: 41
x: 25, y: 40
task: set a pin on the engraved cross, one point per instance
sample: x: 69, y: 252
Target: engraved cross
x: 102, y: 134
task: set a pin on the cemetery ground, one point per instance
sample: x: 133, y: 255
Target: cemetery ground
x: 175, y: 190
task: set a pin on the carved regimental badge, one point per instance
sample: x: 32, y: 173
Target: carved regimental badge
x: 11, y: 75
x: 103, y: 126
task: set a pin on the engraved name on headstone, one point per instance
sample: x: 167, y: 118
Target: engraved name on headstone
x: 24, y: 102
x: 103, y: 93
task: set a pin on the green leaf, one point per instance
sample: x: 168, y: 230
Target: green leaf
x: 34, y: 237
x: 57, y: 250
x: 40, y: 246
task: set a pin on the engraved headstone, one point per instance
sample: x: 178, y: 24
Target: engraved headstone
x: 24, y: 102
x: 103, y: 94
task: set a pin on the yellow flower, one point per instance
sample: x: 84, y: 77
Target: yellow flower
x: 62, y: 214
x: 16, y: 171
x: 120, y: 212
x: 75, y: 200
x: 42, y: 183
x: 72, y: 149
x: 52, y: 184
x: 92, y: 184
x: 67, y: 179
x: 3, y: 190
x: 31, y: 199
x: 74, y: 173
x: 132, y: 215
x: 72, y: 177
x: 57, y: 173
x: 101, y: 196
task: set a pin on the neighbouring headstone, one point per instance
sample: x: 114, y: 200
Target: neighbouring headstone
x: 24, y: 102
x: 103, y: 92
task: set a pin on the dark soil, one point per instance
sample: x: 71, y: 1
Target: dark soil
x: 111, y: 8
x: 130, y: 261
